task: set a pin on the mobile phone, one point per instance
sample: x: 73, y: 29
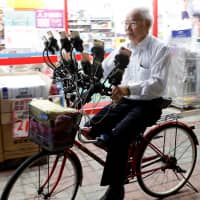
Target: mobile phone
x: 74, y: 34
x: 125, y: 51
x: 50, y: 34
x: 98, y: 43
x: 63, y: 34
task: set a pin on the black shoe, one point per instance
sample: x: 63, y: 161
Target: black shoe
x: 113, y: 193
x: 102, y: 141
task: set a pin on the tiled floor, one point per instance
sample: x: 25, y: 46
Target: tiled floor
x: 91, y: 190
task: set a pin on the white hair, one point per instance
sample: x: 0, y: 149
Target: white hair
x: 145, y: 14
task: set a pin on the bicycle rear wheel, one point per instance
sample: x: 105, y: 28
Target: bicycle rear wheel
x: 30, y: 180
x: 167, y: 160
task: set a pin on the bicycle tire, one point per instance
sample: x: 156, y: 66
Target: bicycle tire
x: 179, y: 143
x: 24, y: 183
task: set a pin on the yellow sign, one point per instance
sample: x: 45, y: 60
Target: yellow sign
x: 119, y: 40
x: 26, y: 4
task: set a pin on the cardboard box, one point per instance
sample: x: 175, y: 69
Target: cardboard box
x: 6, y: 106
x: 15, y: 147
x: 9, y: 105
x: 1, y: 148
x: 34, y: 85
x: 52, y: 126
x: 45, y: 110
x: 11, y: 148
x: 14, y: 142
x: 6, y: 118
x: 15, y: 112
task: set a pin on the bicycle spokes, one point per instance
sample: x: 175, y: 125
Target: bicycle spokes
x: 50, y: 174
x: 167, y: 161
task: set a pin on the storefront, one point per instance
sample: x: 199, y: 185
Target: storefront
x: 24, y: 23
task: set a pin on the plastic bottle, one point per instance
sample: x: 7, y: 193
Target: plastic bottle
x: 5, y: 93
x: 60, y: 92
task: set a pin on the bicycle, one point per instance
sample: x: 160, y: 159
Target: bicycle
x: 162, y: 160
x: 155, y: 156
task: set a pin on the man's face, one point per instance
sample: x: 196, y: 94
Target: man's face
x: 136, y: 28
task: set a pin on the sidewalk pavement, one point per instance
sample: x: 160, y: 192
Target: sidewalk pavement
x: 91, y: 190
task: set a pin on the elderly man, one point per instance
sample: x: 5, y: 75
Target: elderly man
x: 138, y: 97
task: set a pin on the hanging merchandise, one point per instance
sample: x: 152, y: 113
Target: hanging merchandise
x: 2, y: 29
x: 184, y: 78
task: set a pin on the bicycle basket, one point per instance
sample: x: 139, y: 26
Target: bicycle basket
x: 52, y: 126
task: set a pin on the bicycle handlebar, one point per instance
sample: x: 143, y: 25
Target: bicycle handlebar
x: 81, y: 80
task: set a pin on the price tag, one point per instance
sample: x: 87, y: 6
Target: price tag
x: 21, y: 124
x: 20, y: 118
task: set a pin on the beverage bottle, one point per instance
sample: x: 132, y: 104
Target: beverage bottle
x: 5, y: 93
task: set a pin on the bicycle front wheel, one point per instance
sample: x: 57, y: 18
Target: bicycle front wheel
x: 167, y: 160
x: 36, y: 178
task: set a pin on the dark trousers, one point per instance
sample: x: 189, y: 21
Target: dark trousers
x: 122, y: 122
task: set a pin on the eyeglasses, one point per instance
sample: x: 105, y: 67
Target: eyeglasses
x: 130, y: 23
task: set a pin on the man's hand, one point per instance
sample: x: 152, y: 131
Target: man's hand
x: 118, y: 92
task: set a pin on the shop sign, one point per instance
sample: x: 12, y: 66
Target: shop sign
x: 49, y: 18
x: 182, y: 33
x: 24, y: 4
x: 19, y: 18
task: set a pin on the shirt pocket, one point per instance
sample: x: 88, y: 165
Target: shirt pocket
x: 144, y: 71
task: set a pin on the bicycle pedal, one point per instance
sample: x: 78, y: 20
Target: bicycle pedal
x: 100, y: 143
x: 180, y: 170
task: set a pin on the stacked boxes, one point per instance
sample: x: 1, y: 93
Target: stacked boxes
x: 23, y: 85
x: 17, y: 89
x: 14, y: 130
x: 1, y: 148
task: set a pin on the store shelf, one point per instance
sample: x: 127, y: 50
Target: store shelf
x: 94, y: 28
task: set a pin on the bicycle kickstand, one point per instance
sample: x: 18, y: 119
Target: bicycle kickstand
x: 190, y: 185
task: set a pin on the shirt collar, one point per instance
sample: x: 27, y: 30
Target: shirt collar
x: 142, y: 45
